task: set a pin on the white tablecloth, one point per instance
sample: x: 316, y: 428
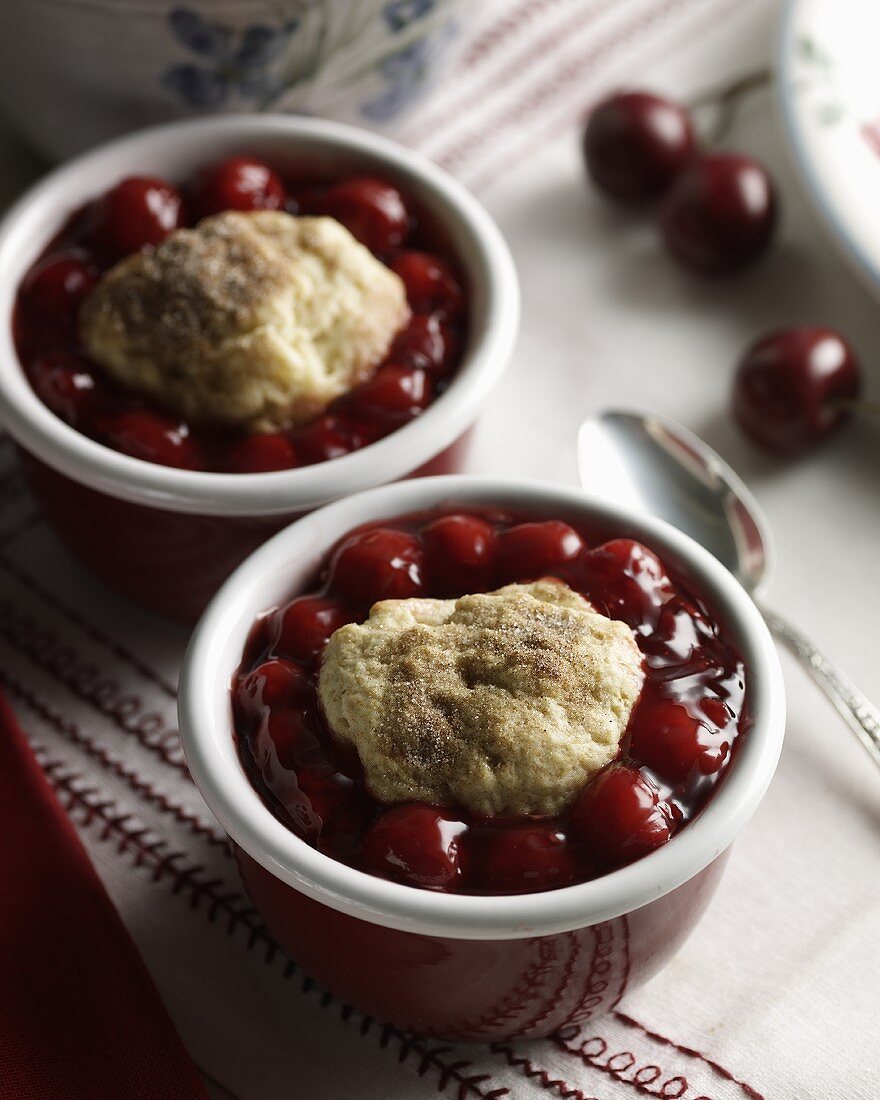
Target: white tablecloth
x: 775, y: 995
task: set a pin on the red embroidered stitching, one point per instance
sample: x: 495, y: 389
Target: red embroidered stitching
x: 517, y: 998
x: 529, y: 102
x: 590, y: 1050
x: 493, y: 36
x: 146, y: 848
x: 88, y: 628
x: 752, y: 1093
x: 137, y: 783
x: 528, y: 1069
x: 494, y: 169
x: 44, y: 649
x: 514, y: 67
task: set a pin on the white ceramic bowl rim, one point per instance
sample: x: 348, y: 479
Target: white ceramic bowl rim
x: 267, y: 577
x: 494, y: 320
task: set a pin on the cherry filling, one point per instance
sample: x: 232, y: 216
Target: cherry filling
x: 680, y: 740
x: 139, y: 212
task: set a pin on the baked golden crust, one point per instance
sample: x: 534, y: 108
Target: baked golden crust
x: 503, y: 702
x: 253, y: 319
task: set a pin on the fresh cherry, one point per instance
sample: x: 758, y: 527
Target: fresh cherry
x: 55, y: 288
x: 635, y: 144
x: 415, y: 844
x: 262, y: 452
x: 304, y: 626
x: 274, y: 683
x: 619, y: 816
x: 793, y: 388
x: 719, y: 214
x: 371, y: 210
x: 530, y: 550
x: 431, y: 286
x: 381, y: 563
x: 152, y: 437
x: 524, y: 858
x: 240, y: 183
x: 67, y: 386
x: 137, y: 212
x: 461, y: 551
x: 393, y: 396
x: 626, y: 580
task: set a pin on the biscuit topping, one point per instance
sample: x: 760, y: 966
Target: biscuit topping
x: 503, y: 702
x: 256, y: 319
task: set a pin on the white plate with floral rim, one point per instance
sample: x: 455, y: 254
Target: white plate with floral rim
x: 829, y: 89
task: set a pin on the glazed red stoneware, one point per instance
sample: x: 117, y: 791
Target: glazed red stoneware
x: 170, y: 562
x: 479, y: 990
x: 167, y: 537
x: 467, y: 966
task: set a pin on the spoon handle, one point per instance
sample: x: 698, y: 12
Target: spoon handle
x: 860, y: 713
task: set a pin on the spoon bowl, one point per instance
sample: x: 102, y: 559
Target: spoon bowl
x: 653, y: 465
x: 661, y: 468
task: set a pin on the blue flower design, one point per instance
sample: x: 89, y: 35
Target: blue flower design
x: 238, y: 61
x: 406, y: 72
x: 399, y: 14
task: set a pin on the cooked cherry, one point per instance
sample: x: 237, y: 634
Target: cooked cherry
x: 262, y: 452
x: 393, y: 396
x: 381, y: 563
x: 524, y: 858
x: 416, y: 844
x: 619, y: 816
x: 137, y: 212
x: 151, y: 437
x: 676, y: 737
x: 719, y: 214
x: 371, y: 210
x: 54, y: 289
x: 626, y: 580
x: 530, y: 550
x: 431, y: 286
x: 240, y: 183
x: 635, y: 144
x: 303, y: 627
x: 461, y: 552
x: 274, y: 683
x: 793, y: 388
x: 305, y: 198
x: 328, y: 437
x: 288, y: 736
x: 65, y: 383
x: 423, y: 343
x: 342, y: 810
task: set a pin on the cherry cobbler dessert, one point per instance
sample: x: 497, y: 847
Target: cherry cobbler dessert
x: 242, y: 322
x: 474, y: 702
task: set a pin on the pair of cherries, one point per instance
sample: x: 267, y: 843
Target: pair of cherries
x: 717, y: 210
x: 793, y: 387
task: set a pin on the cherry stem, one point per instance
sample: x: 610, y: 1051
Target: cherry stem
x: 727, y: 98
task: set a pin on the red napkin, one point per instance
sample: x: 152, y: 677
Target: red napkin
x: 79, y: 1016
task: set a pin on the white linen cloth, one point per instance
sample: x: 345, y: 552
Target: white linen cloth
x: 775, y: 994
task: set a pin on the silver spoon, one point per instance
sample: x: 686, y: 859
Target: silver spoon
x: 656, y: 466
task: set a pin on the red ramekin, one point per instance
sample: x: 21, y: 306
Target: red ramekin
x: 167, y: 537
x: 458, y: 966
